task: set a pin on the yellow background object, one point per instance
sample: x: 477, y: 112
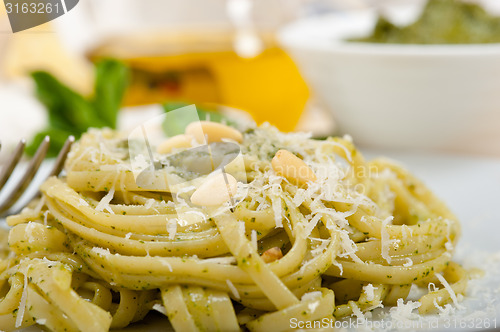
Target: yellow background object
x: 40, y: 48
x: 204, y: 69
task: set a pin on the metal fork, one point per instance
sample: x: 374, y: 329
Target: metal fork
x: 30, y: 172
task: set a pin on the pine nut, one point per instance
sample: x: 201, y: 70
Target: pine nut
x: 175, y: 142
x: 215, y: 191
x: 213, y: 131
x: 271, y: 255
x: 292, y: 167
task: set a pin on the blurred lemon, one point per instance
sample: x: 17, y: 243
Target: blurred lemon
x: 203, y: 68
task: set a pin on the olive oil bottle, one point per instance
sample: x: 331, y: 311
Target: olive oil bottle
x: 202, y: 67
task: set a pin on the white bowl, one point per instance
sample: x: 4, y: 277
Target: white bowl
x: 400, y: 96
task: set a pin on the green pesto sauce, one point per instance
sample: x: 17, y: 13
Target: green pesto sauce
x: 441, y: 22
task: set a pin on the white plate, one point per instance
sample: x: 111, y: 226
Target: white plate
x: 471, y: 188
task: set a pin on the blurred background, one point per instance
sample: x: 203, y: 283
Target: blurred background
x: 253, y: 56
x: 427, y: 95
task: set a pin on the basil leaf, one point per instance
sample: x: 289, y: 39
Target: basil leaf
x: 67, y: 109
x: 72, y: 114
x: 111, y: 81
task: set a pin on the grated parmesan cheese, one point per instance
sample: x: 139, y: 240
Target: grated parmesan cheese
x: 319, y: 249
x: 299, y: 197
x: 101, y: 251
x: 41, y: 321
x: 348, y: 247
x: 276, y: 203
x: 312, y: 306
x: 158, y: 307
x: 233, y: 289
x: 254, y: 239
x: 30, y: 227
x: 337, y: 264
x: 241, y: 227
x: 82, y: 202
x: 385, y: 240
x: 22, y: 302
x: 404, y: 311
x: 450, y: 290
x: 167, y: 264
x: 347, y: 152
x: 149, y: 203
x: 45, y: 215
x: 404, y: 232
x: 356, y: 311
x: 310, y: 296
x: 408, y: 263
x: 369, y: 291
x: 312, y: 224
x: 104, y: 202
x: 221, y: 260
x: 449, y: 244
x: 172, y: 228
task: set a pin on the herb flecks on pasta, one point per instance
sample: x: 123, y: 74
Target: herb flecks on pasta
x: 314, y: 232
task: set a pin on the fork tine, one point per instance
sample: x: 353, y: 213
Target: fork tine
x: 7, y: 171
x: 27, y: 177
x: 57, y: 168
x: 61, y: 157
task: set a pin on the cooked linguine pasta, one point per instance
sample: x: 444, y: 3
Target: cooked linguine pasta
x: 308, y: 230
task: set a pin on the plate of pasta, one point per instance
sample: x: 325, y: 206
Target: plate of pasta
x: 250, y: 229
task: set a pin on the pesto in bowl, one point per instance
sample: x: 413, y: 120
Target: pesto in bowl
x: 441, y: 22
